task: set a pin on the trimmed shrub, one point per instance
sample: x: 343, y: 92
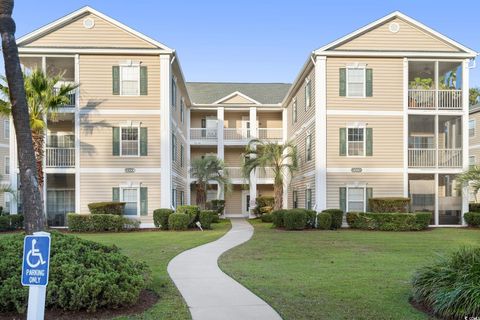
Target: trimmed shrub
x: 261, y: 202
x: 449, y: 287
x: 11, y: 222
x: 324, y: 221
x: 160, y: 218
x: 389, y: 221
x: 268, y: 218
x: 84, y: 275
x: 277, y: 218
x: 217, y: 205
x: 79, y: 222
x: 474, y: 207
x: 100, y: 223
x: 472, y: 218
x: 106, y: 222
x: 295, y: 219
x: 389, y: 204
x: 206, y: 218
x: 178, y: 221
x: 112, y: 207
x: 311, y: 218
x: 337, y: 217
x: 192, y: 211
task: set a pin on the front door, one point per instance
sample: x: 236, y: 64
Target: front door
x: 245, y: 202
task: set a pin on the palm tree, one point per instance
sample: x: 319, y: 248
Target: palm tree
x: 44, y: 98
x: 32, y: 201
x: 473, y: 96
x: 281, y: 158
x: 206, y: 170
x: 471, y: 177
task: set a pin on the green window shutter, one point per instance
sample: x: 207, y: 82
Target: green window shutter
x: 343, y: 198
x: 143, y: 81
x: 116, y: 141
x: 369, y: 142
x: 343, y: 141
x: 143, y: 141
x: 343, y: 82
x: 115, y: 194
x: 369, y: 196
x: 369, y: 82
x: 115, y: 80
x: 143, y: 201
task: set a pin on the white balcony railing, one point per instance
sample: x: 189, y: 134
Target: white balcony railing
x: 426, y: 158
x: 60, y: 157
x: 236, y: 134
x: 266, y: 173
x: 435, y: 99
x: 271, y: 134
x: 203, y: 134
x: 234, y: 172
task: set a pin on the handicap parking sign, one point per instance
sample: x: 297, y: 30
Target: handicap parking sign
x: 36, y: 256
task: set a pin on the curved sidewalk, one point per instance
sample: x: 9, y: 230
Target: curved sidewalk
x: 210, y: 293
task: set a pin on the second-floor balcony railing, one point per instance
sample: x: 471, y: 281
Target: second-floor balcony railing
x: 427, y: 158
x: 271, y: 134
x: 450, y: 99
x: 203, y: 134
x: 236, y: 134
x: 60, y: 157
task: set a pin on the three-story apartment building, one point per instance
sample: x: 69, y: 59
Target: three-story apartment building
x: 379, y: 112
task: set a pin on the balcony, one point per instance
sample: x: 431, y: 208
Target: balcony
x: 435, y: 99
x: 71, y: 98
x: 270, y: 134
x: 234, y: 135
x: 60, y: 157
x: 427, y: 158
x: 203, y: 134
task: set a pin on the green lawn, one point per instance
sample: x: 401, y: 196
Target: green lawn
x: 157, y: 249
x: 344, y: 274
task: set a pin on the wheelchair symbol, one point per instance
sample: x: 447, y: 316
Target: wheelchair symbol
x: 34, y: 252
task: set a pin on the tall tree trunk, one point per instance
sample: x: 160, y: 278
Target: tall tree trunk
x: 278, y: 191
x: 38, y: 139
x: 200, y: 194
x: 31, y: 199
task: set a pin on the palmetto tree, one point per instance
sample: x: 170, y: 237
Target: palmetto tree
x: 44, y: 98
x: 471, y: 177
x: 281, y: 158
x: 206, y: 170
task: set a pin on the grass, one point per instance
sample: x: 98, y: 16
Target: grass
x: 157, y: 249
x: 344, y: 274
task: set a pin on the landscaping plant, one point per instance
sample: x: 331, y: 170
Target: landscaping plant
x: 277, y: 218
x: 160, y: 218
x: 324, y: 221
x: 389, y: 204
x: 472, y: 219
x: 206, y: 218
x: 109, y: 207
x: 337, y: 217
x: 178, y: 221
x: 389, y: 221
x: 192, y: 211
x: 295, y: 219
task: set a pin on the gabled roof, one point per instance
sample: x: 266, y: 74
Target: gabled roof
x: 393, y: 15
x: 474, y: 108
x: 219, y: 92
x: 55, y: 25
x: 238, y: 97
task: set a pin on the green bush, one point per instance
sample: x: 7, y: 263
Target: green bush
x: 84, y: 275
x: 389, y: 204
x: 474, y: 207
x: 11, y: 222
x: 389, y: 221
x: 192, y: 211
x: 261, y: 202
x: 324, y: 221
x: 268, y: 218
x: 206, y: 218
x: 160, y: 218
x: 217, y: 205
x: 215, y: 216
x: 277, y: 218
x: 337, y: 217
x: 311, y: 218
x: 449, y: 287
x: 178, y: 221
x: 112, y: 207
x: 100, y: 222
x: 265, y: 210
x: 472, y: 219
x: 295, y: 219
x: 79, y: 222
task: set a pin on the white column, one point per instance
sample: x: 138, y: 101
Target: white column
x: 188, y: 194
x: 13, y: 167
x: 286, y: 175
x: 405, y: 127
x: 166, y: 132
x: 465, y: 139
x: 77, y: 136
x: 220, y: 145
x: 253, y: 174
x: 44, y: 162
x: 436, y: 199
x: 320, y: 133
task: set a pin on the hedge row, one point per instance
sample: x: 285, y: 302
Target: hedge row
x: 100, y: 222
x: 299, y: 219
x: 472, y: 219
x: 11, y: 222
x: 389, y: 221
x: 111, y: 207
x: 389, y: 204
x: 185, y: 217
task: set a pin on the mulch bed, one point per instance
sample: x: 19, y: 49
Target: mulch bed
x: 146, y: 300
x: 422, y: 308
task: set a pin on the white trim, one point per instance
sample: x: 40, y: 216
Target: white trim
x: 232, y: 107
x: 356, y: 67
x: 121, y: 170
x: 405, y: 126
x: 343, y: 112
x: 129, y: 64
x: 365, y: 170
x: 320, y: 121
x: 236, y: 93
x: 357, y: 185
x: 401, y: 54
x: 308, y: 84
x: 165, y: 126
x: 77, y: 135
x: 6, y: 125
x: 4, y: 145
x: 108, y: 51
x: 129, y: 186
x: 72, y: 16
x: 475, y: 146
x: 465, y: 133
x: 364, y: 134
x: 130, y: 126
x: 396, y: 14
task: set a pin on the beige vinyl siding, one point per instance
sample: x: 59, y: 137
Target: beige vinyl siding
x: 180, y: 185
x: 96, y: 83
x: 234, y: 119
x: 475, y: 140
x: 233, y: 201
x: 181, y: 93
x: 237, y: 99
x: 300, y: 184
x: 197, y: 116
x: 176, y: 165
x: 4, y: 152
x: 96, y: 187
x: 408, y: 38
x: 96, y: 141
x: 387, y: 142
x: 383, y: 184
x: 265, y: 190
x: 233, y: 156
x: 269, y: 119
x: 300, y: 140
x: 102, y: 35
x: 198, y: 152
x: 387, y: 85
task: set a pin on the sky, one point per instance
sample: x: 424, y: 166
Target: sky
x: 256, y: 40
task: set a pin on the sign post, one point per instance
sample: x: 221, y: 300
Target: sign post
x: 35, y: 266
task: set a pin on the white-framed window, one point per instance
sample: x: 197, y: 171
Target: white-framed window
x: 174, y: 94
x: 6, y: 165
x: 471, y: 161
x: 294, y: 110
x: 308, y: 147
x: 356, y: 87
x: 6, y: 129
x: 356, y: 141
x: 182, y: 110
x: 130, y: 80
x: 174, y: 147
x: 130, y: 141
x: 356, y: 199
x: 471, y: 128
x: 131, y: 197
x: 295, y: 199
x: 182, y: 197
x: 308, y: 199
x: 308, y: 94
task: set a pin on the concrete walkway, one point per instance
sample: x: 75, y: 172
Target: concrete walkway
x: 210, y: 293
